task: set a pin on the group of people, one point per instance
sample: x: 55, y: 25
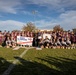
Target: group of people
x: 51, y: 39
x: 55, y: 39
x: 9, y: 39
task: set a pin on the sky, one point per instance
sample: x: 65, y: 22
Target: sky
x: 45, y: 14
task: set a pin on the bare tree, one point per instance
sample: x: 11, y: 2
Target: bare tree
x: 29, y: 27
x: 57, y: 28
x: 74, y: 30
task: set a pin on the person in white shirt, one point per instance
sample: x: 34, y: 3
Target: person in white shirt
x: 64, y: 45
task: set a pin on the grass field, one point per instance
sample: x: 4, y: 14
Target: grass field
x: 7, y: 55
x: 40, y: 62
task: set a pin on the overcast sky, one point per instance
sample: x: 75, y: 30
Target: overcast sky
x: 48, y: 13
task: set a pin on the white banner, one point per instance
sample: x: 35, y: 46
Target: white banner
x: 48, y: 35
x: 24, y: 40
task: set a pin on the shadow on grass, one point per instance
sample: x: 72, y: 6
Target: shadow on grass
x: 3, y: 65
x: 63, y: 66
x: 47, y: 66
x: 30, y: 68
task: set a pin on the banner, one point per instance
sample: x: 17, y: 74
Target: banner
x: 24, y: 40
x: 48, y: 35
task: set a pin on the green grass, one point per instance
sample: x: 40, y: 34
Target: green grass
x: 7, y: 54
x: 42, y: 62
x: 47, y: 62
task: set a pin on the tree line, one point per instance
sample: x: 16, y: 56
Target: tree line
x: 32, y: 28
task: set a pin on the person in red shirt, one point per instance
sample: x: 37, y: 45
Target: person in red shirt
x: 1, y: 38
